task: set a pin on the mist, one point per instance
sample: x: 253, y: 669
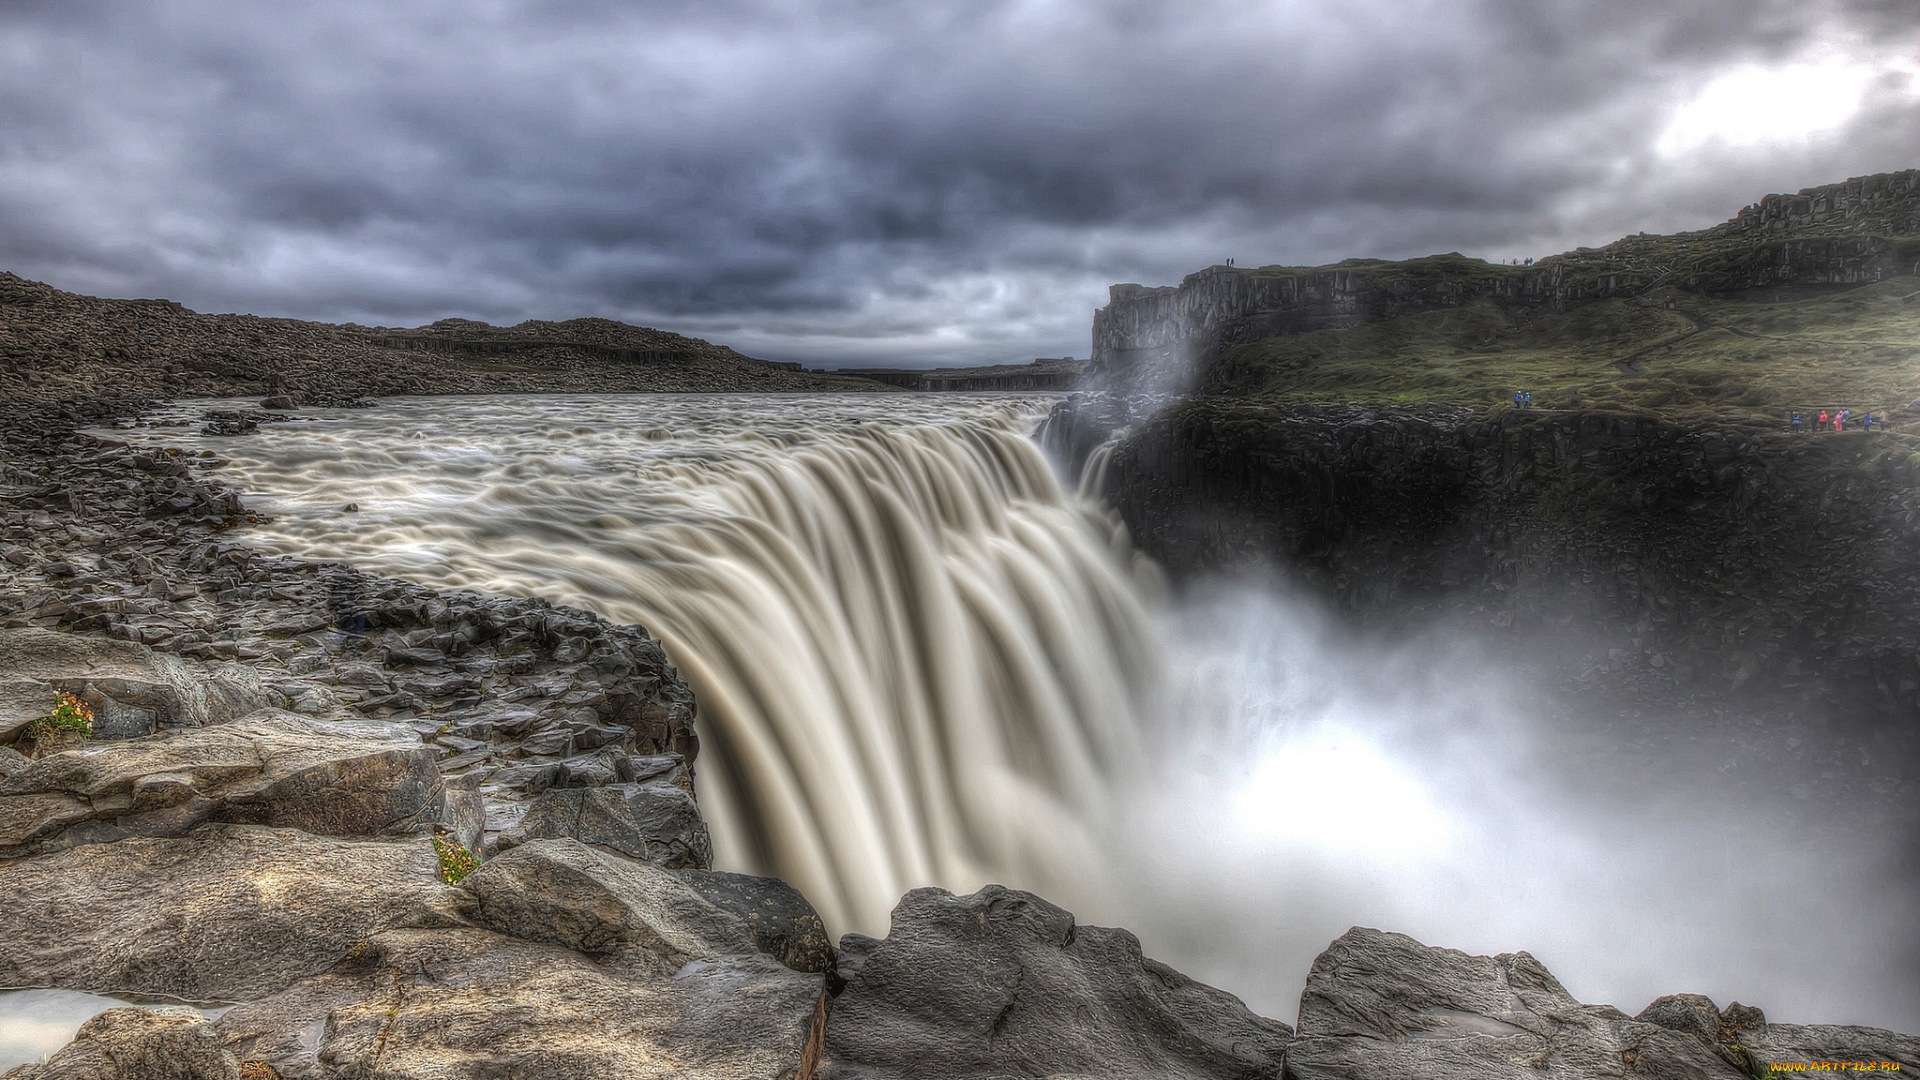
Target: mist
x: 1310, y: 778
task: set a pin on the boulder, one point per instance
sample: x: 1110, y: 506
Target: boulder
x: 471, y: 1004
x: 1382, y: 1005
x: 173, y: 1043
x: 225, y: 913
x: 131, y: 689
x: 655, y: 822
x: 593, y: 901
x: 782, y: 922
x: 1004, y: 984
x: 271, y: 768
x: 1694, y: 1014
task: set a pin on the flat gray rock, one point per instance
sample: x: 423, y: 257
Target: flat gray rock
x: 1004, y: 984
x: 225, y: 913
x: 594, y: 901
x: 332, y: 778
x: 131, y: 689
x: 471, y: 1004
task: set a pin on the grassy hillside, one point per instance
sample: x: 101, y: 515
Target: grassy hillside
x: 1858, y: 348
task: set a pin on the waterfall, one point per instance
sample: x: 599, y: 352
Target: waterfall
x: 918, y: 658
x: 922, y: 659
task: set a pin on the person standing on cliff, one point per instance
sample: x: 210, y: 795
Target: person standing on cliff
x: 1823, y: 418
x: 1796, y: 423
x: 1866, y: 421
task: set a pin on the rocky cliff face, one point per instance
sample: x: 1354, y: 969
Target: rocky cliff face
x: 1727, y: 557
x: 1884, y: 203
x: 1855, y: 232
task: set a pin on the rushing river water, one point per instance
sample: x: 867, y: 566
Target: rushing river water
x: 920, y: 659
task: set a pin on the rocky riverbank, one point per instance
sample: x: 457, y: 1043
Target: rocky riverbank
x: 279, y: 744
x: 289, y: 756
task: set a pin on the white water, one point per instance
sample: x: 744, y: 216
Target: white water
x: 920, y: 660
x: 916, y: 660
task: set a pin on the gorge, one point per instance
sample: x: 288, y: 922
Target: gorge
x: 1235, y: 672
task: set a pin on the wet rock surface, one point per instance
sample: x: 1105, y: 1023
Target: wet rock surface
x: 131, y: 690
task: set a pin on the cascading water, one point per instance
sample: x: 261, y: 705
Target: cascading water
x: 917, y: 658
x: 920, y: 660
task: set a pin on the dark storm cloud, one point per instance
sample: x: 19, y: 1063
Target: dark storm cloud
x: 856, y: 181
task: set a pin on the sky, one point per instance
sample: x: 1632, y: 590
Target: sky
x: 908, y: 184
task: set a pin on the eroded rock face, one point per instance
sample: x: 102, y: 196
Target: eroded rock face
x: 1382, y: 1005
x: 225, y: 913
x: 330, y: 778
x: 1002, y: 983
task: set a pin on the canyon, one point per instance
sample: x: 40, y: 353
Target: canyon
x: 246, y: 864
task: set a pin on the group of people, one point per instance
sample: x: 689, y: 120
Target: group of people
x: 1839, y: 420
x: 1523, y: 399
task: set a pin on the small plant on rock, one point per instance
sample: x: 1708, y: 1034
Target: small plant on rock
x: 69, y: 714
x: 456, y: 862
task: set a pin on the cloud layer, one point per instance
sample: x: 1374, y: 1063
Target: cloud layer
x: 855, y: 182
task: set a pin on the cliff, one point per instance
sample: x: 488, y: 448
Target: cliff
x: 1658, y: 498
x: 1738, y: 555
x: 1860, y: 231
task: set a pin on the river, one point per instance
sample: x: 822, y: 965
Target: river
x: 920, y: 658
